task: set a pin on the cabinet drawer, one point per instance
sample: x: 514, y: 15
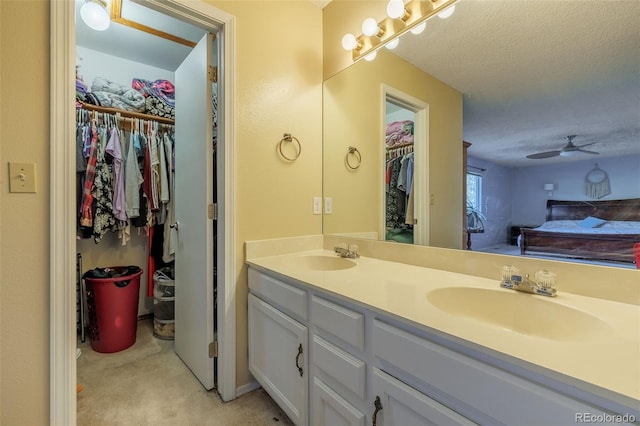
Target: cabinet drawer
x: 339, y: 321
x: 342, y: 367
x: 288, y: 298
x: 489, y: 394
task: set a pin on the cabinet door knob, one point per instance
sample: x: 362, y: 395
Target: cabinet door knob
x: 378, y: 406
x: 300, y: 370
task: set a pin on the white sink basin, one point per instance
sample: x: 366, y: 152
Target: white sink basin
x: 520, y: 312
x: 323, y: 263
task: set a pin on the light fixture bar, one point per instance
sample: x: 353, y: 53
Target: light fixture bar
x: 416, y: 12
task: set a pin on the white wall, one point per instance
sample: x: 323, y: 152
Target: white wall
x: 529, y: 198
x: 118, y: 70
x: 110, y: 252
x: 496, y: 202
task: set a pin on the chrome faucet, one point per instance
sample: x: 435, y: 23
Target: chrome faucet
x: 350, y: 252
x: 543, y: 286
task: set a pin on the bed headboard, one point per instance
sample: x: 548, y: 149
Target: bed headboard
x: 609, y: 210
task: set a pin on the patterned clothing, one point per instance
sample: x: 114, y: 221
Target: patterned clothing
x: 104, y: 219
x: 86, y: 218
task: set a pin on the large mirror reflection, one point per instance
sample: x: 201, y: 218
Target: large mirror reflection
x: 509, y: 114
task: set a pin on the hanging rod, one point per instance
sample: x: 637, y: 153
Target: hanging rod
x: 127, y: 114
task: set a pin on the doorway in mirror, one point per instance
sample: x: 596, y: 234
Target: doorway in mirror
x: 405, y: 215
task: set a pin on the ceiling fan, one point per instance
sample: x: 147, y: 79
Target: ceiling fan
x: 569, y: 150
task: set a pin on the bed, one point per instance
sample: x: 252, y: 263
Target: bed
x: 613, y: 240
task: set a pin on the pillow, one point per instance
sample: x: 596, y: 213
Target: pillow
x: 591, y: 222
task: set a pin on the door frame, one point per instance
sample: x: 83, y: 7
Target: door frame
x: 420, y: 110
x: 62, y: 245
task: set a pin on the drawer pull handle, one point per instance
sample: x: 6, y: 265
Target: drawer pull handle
x: 298, y: 359
x: 378, y: 406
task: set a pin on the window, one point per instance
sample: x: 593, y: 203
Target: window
x: 474, y: 191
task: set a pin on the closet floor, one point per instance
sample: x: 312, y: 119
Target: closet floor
x: 148, y: 384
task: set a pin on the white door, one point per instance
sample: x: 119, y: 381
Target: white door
x: 194, y: 303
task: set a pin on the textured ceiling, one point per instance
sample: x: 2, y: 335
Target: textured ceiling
x: 533, y: 72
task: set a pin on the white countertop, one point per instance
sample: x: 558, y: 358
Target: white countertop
x: 611, y: 361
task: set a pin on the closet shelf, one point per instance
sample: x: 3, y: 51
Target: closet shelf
x: 127, y: 114
x: 402, y: 145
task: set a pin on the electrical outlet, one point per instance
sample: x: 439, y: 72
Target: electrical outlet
x: 328, y: 205
x: 317, y: 205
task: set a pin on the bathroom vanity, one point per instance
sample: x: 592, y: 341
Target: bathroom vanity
x: 365, y: 341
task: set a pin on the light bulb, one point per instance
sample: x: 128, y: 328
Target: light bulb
x: 395, y: 9
x: 349, y: 42
x: 392, y: 44
x: 95, y: 16
x: 447, y: 12
x: 371, y: 56
x: 370, y: 27
x: 419, y: 28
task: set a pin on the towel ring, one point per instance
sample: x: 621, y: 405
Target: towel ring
x: 353, y: 152
x: 288, y: 138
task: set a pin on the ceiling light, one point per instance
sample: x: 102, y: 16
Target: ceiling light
x: 447, y: 12
x: 572, y: 153
x: 94, y: 14
x: 395, y: 9
x: 370, y: 27
x: 392, y: 44
x: 371, y: 56
x: 349, y: 42
x: 419, y: 29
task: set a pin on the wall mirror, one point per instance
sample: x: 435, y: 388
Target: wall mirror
x: 525, y: 84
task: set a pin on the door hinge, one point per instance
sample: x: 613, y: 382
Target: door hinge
x: 212, y: 74
x: 415, y: 221
x: 213, y: 349
x: 212, y: 211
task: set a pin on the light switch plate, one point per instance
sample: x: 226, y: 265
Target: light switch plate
x: 22, y: 177
x: 317, y: 205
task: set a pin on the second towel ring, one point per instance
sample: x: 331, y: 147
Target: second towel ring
x: 353, y: 152
x: 288, y: 138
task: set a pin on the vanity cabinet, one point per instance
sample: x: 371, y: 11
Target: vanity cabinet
x: 278, y: 349
x: 359, y: 365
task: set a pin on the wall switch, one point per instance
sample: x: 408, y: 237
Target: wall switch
x: 22, y: 177
x: 317, y: 205
x: 328, y: 205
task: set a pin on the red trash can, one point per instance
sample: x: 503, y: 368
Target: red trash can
x: 112, y: 305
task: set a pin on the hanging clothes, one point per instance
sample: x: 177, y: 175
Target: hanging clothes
x: 86, y: 218
x: 114, y: 148
x: 102, y: 192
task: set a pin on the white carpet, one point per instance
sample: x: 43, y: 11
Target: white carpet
x: 147, y: 384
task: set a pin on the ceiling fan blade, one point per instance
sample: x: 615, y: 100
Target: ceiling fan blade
x: 586, y: 144
x: 587, y: 152
x: 541, y: 155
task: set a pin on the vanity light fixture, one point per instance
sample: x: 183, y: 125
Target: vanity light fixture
x: 447, y: 12
x: 400, y: 19
x: 393, y: 43
x: 94, y: 14
x: 419, y: 29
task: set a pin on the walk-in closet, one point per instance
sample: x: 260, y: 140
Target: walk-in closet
x: 146, y: 146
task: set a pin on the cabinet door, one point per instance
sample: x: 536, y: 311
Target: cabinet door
x: 278, y: 357
x: 330, y: 409
x: 399, y: 404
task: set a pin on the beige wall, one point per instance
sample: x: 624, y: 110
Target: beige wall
x: 24, y: 218
x: 278, y: 90
x: 352, y: 111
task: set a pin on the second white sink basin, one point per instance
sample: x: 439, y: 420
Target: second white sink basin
x: 520, y: 312
x: 323, y: 263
